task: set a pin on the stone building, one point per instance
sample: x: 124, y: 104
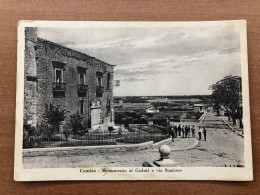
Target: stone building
x: 199, y: 108
x: 72, y: 79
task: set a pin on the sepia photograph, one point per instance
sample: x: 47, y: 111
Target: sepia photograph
x: 132, y: 101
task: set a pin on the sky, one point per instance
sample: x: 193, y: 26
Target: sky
x: 158, y: 61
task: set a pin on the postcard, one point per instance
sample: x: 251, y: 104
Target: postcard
x: 132, y: 101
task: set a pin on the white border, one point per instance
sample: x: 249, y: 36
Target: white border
x: 188, y: 173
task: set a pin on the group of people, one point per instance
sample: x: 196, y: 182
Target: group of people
x: 186, y: 131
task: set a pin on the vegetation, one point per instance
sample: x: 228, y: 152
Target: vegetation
x: 67, y: 132
x: 30, y: 136
x: 52, y: 117
x: 228, y: 93
x: 77, y: 124
x: 87, y: 143
x: 134, y: 99
x: 192, y: 115
x: 129, y: 118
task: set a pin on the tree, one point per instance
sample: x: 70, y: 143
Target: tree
x: 31, y: 136
x: 228, y: 93
x: 77, y: 124
x: 67, y: 132
x: 53, y: 115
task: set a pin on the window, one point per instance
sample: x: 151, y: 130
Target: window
x: 81, y: 107
x: 58, y: 85
x: 108, y: 105
x: 99, y: 85
x: 81, y: 78
x: 99, y: 81
x: 58, y: 76
x: 99, y: 94
x: 108, y: 80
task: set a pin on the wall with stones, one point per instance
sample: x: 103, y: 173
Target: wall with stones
x: 69, y: 60
x: 30, y: 76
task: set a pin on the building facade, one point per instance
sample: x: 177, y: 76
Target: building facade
x: 73, y: 80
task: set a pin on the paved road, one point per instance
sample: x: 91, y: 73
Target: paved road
x: 221, y: 140
x: 222, y: 147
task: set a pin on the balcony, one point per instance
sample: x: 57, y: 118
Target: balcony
x: 59, y: 87
x: 99, y: 89
x: 82, y: 88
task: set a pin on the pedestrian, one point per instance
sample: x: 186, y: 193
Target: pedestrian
x: 168, y: 127
x: 205, y: 134
x: 173, y: 134
x: 179, y: 129
x: 186, y: 131
x: 183, y: 131
x: 175, y: 131
x: 200, y: 132
x: 193, y: 131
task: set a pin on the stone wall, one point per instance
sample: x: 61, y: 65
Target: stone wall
x: 42, y: 57
x: 30, y: 76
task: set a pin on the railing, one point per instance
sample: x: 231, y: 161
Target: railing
x: 91, y: 139
x: 100, y: 88
x: 82, y: 88
x: 56, y: 86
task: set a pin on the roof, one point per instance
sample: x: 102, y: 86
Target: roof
x: 81, y: 53
x: 198, y: 105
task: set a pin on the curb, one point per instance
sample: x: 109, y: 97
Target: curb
x: 166, y: 141
x: 232, y: 128
x: 196, y: 142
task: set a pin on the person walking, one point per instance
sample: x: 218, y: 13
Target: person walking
x: 168, y: 127
x: 193, y: 131
x: 205, y: 134
x: 179, y: 129
x: 173, y: 134
x: 183, y: 131
x: 175, y: 131
x: 200, y: 132
x: 186, y: 131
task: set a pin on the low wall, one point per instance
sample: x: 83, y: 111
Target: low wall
x: 136, y: 125
x: 201, y: 119
x: 165, y: 141
x: 85, y: 149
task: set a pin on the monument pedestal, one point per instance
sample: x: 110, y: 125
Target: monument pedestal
x: 165, y: 163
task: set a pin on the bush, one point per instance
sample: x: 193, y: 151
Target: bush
x: 67, y: 132
x: 86, y: 143
x: 30, y: 136
x: 52, y: 116
x: 77, y: 124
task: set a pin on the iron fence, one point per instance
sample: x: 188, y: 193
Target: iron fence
x: 93, y: 138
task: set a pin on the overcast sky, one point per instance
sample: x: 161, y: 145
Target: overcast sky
x: 158, y: 61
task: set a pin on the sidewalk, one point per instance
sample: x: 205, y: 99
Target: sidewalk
x: 123, y: 159
x: 236, y: 129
